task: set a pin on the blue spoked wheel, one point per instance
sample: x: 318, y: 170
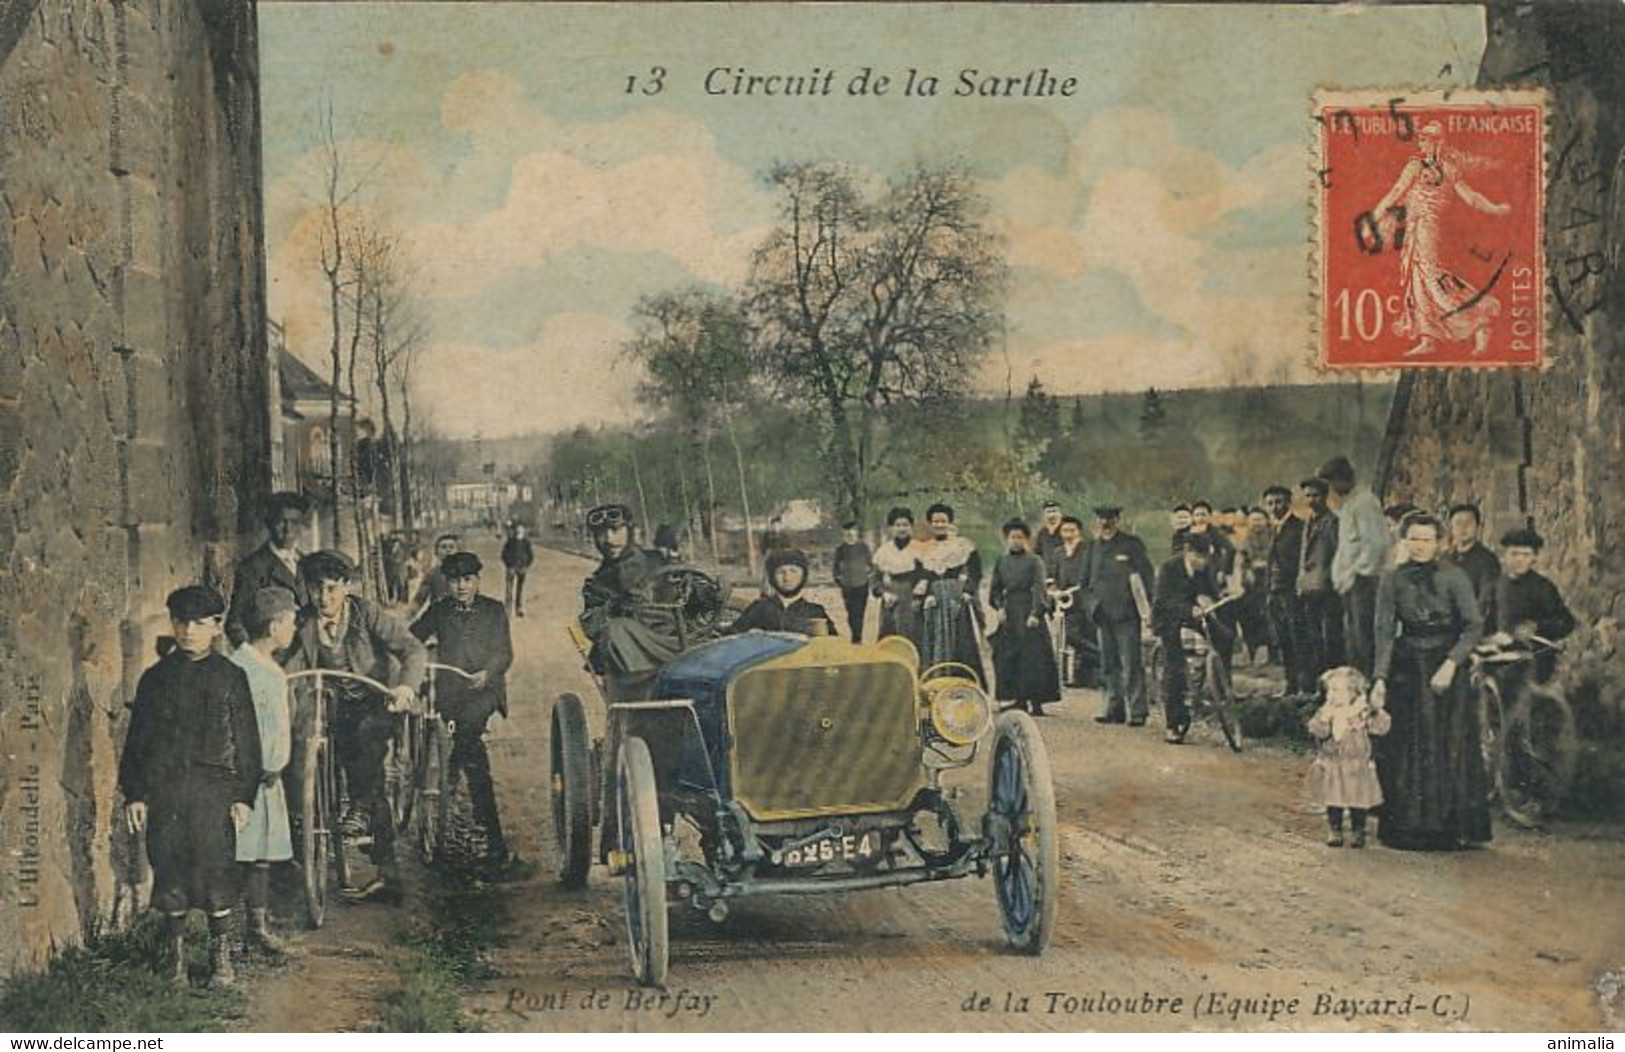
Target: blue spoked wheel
x: 642, y: 863
x: 1026, y: 848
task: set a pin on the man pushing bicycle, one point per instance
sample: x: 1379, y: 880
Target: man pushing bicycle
x: 347, y: 633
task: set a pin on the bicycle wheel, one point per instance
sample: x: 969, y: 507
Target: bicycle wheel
x: 1221, y: 699
x: 1542, y: 749
x: 1492, y: 738
x: 400, y: 770
x: 429, y: 809
x: 1156, y: 666
x: 315, y: 805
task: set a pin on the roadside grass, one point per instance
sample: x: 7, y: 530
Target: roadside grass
x: 115, y: 984
x: 464, y: 917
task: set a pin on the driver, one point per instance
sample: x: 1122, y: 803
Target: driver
x: 347, y: 633
x: 631, y: 640
x: 786, y: 610
x: 1185, y: 589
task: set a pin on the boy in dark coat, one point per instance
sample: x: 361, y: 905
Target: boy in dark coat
x: 470, y: 631
x: 786, y: 610
x: 189, y: 774
x: 1523, y: 604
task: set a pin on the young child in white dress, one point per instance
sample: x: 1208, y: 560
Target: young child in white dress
x: 269, y: 621
x: 1344, y: 774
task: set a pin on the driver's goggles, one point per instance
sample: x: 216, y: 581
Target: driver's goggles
x: 606, y: 518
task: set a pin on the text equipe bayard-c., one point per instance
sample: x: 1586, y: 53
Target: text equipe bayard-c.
x: 1219, y: 1004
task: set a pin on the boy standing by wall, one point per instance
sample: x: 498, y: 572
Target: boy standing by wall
x: 189, y: 774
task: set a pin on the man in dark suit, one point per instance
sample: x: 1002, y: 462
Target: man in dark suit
x: 1281, y: 588
x: 1321, y: 605
x: 1466, y: 551
x: 1185, y: 589
x: 1113, y: 590
x: 274, y: 564
x: 470, y: 632
x: 517, y: 555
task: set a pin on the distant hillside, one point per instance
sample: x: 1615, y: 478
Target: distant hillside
x: 993, y: 457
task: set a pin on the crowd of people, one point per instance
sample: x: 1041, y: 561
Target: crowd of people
x: 215, y: 729
x: 1371, y: 613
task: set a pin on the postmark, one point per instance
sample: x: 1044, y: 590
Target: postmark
x: 1429, y: 212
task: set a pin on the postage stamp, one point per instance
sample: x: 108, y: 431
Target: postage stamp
x: 1429, y: 228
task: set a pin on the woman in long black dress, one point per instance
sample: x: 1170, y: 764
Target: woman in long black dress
x: 1023, y: 659
x: 1431, y: 763
x: 949, y: 590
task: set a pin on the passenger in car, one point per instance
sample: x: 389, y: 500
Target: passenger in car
x: 786, y: 609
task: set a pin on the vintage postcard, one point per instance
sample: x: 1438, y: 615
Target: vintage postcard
x: 530, y: 517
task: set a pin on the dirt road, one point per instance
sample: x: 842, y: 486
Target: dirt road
x: 1198, y: 894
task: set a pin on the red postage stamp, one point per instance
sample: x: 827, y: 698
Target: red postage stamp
x: 1430, y: 228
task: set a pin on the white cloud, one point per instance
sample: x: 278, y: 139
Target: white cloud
x: 572, y: 375
x: 652, y: 182
x: 1135, y: 199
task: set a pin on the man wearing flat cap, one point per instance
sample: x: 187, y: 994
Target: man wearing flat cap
x: 347, y: 633
x: 1522, y: 605
x: 1114, y: 592
x: 1186, y: 588
x: 189, y: 774
x: 470, y: 632
x: 631, y: 641
x: 786, y: 609
x: 1320, y: 606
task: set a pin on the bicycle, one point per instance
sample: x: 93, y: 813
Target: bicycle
x: 415, y: 773
x: 421, y: 801
x: 1065, y: 656
x: 1530, y: 744
x: 1209, y: 691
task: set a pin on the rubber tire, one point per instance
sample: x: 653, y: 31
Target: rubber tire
x: 1492, y: 730
x: 637, y: 802
x: 400, y: 779
x: 1554, y: 754
x: 1222, y: 699
x: 1156, y: 657
x: 571, y: 789
x: 433, y: 791
x: 318, y: 831
x: 1016, y: 740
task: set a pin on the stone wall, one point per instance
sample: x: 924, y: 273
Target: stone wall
x: 1551, y: 446
x: 134, y: 424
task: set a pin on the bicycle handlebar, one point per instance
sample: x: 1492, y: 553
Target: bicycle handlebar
x: 320, y: 673
x: 435, y: 666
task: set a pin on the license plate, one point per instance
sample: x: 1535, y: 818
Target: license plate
x: 854, y: 848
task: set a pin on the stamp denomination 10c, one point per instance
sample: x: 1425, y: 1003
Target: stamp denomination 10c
x: 1429, y: 226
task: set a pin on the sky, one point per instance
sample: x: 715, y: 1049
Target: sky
x: 1157, y: 220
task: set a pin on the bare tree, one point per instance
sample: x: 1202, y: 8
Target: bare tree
x: 695, y: 350
x: 857, y: 306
